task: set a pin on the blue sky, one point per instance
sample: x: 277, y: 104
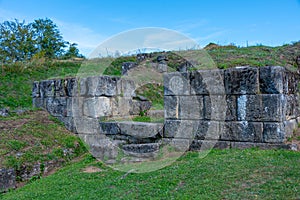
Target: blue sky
x: 89, y: 23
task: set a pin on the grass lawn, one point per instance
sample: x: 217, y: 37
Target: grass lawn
x: 223, y: 174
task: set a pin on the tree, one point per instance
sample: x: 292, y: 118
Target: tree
x: 72, y: 52
x: 49, y: 41
x: 16, y: 41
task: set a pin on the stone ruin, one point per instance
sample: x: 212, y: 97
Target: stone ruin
x: 239, y: 107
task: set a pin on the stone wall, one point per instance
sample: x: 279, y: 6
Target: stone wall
x: 237, y: 107
x: 75, y: 101
x: 7, y: 179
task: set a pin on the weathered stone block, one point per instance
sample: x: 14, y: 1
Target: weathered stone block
x: 121, y: 106
x: 68, y: 122
x: 208, y: 82
x: 208, y: 130
x: 171, y: 106
x: 86, y: 125
x: 204, y: 145
x: 59, y: 89
x: 102, y: 86
x: 126, y: 87
x: 190, y: 107
x: 267, y: 107
x: 75, y: 106
x: 241, y: 80
x: 126, y: 66
x: 7, y: 179
x: 35, y: 89
x: 101, y: 147
x: 97, y: 107
x: 135, y: 108
x: 271, y: 80
x: 182, y: 129
x: 71, y: 87
x: 176, y: 83
x: 141, y: 148
x: 83, y: 87
x: 109, y: 128
x: 291, y: 81
x: 175, y: 144
x: 38, y: 102
x: 46, y: 88
x: 242, y: 131
x: 141, y: 129
x: 291, y: 106
x: 273, y: 132
x: 264, y: 146
x: 290, y: 126
x: 56, y: 106
x: 216, y: 107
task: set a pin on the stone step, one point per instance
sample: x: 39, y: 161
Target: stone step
x: 134, y: 129
x: 148, y: 150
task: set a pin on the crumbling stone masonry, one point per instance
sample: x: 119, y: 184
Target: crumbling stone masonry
x: 238, y: 107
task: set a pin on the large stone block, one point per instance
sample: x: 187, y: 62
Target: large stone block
x: 109, y: 128
x: 219, y: 107
x: 83, y: 86
x: 208, y: 82
x: 291, y: 108
x: 273, y: 132
x: 264, y: 146
x: 242, y: 131
x: 35, y: 89
x: 97, y: 107
x: 171, y: 106
x: 100, y: 147
x: 71, y: 87
x: 68, y: 122
x: 176, y: 144
x: 291, y: 81
x: 208, y: 130
x: 102, y: 86
x: 176, y: 83
x: 56, y: 106
x: 190, y: 107
x: 38, y: 102
x: 182, y: 129
x: 141, y: 129
x: 59, y: 89
x: 126, y: 87
x: 121, y: 106
x: 267, y: 107
x: 7, y: 179
x: 205, y: 145
x: 271, y: 80
x: 290, y: 127
x: 75, y: 106
x: 241, y: 80
x: 46, y: 88
x: 86, y: 125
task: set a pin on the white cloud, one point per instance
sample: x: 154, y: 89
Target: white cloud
x: 86, y: 38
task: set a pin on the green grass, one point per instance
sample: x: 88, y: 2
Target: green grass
x: 226, y: 174
x: 16, y: 81
x: 35, y: 137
